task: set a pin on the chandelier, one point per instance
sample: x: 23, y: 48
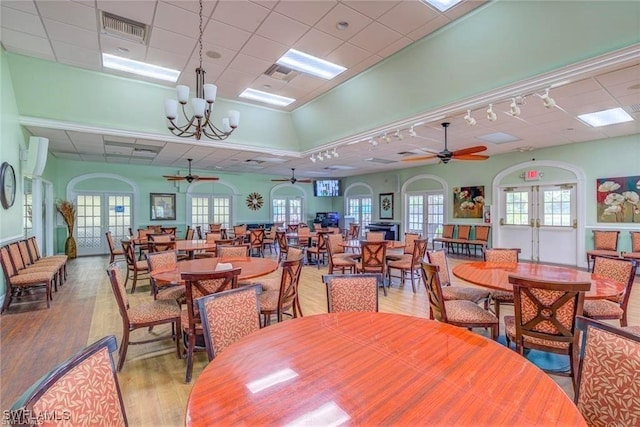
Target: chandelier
x: 201, y: 122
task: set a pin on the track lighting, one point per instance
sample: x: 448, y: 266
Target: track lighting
x: 470, y: 120
x: 513, y: 108
x: 386, y: 138
x: 327, y: 155
x: 398, y: 135
x: 313, y: 158
x: 548, y: 101
x: 412, y: 133
x: 320, y: 157
x: 335, y: 153
x: 491, y: 116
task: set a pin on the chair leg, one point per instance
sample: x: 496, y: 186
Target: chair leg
x: 135, y: 281
x: 192, y: 343
x: 496, y: 308
x: 495, y: 330
x: 177, y: 333
x: 124, y: 345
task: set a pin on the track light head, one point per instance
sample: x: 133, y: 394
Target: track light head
x: 327, y: 154
x: 513, y: 108
x: 320, y: 157
x: 470, y: 120
x: 335, y: 153
x: 412, y: 132
x: 547, y: 100
x: 398, y: 135
x: 491, y: 115
x: 312, y: 158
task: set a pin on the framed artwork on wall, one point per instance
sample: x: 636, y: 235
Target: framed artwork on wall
x: 618, y: 199
x: 468, y: 202
x: 386, y: 205
x: 163, y: 206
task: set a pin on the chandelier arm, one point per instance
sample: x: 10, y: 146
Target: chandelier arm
x: 181, y: 130
x: 186, y: 118
x: 217, y: 131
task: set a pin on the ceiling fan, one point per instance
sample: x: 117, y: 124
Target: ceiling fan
x: 293, y: 178
x: 190, y: 178
x: 446, y: 156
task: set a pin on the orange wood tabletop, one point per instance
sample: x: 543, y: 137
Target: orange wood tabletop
x: 495, y: 275
x: 251, y: 267
x: 374, y: 369
x: 391, y: 244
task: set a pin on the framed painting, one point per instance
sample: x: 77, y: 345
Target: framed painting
x: 618, y: 199
x: 163, y: 206
x: 468, y: 202
x: 386, y: 205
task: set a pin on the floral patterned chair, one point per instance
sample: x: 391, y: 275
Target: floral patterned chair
x: 338, y: 259
x: 504, y: 255
x: 115, y: 252
x: 620, y: 270
x: 145, y: 315
x: 410, y: 265
x: 83, y: 390
x: 229, y: 316
x: 450, y: 292
x: 17, y: 283
x: 545, y: 313
x: 462, y: 313
x: 635, y: 247
x: 605, y: 243
x: 447, y: 235
x: 285, y: 297
x: 164, y: 261
x: 135, y: 269
x: 233, y: 251
x: 352, y: 292
x: 608, y: 389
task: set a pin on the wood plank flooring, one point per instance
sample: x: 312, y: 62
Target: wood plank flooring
x: 34, y: 339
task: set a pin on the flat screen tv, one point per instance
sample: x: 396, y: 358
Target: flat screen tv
x: 327, y: 188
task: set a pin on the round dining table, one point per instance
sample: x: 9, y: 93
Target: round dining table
x: 251, y: 267
x: 391, y: 244
x: 374, y: 369
x: 495, y: 275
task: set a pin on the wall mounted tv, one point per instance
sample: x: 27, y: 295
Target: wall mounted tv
x: 327, y: 188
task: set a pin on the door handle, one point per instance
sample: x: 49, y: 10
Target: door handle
x: 532, y: 223
x: 501, y: 221
x: 538, y: 223
x: 575, y: 223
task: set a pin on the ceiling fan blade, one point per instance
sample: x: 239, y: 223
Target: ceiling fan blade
x: 306, y: 181
x: 470, y: 150
x: 282, y: 180
x: 471, y: 157
x: 205, y: 178
x: 174, y: 177
x: 419, y: 158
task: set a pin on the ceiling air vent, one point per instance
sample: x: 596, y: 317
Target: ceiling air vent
x: 280, y: 72
x: 633, y: 108
x: 125, y: 28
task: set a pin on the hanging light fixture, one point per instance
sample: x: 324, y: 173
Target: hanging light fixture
x: 201, y: 123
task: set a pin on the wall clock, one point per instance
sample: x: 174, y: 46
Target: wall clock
x: 254, y: 201
x: 8, y: 184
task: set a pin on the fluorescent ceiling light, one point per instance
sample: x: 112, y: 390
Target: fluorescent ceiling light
x: 140, y: 68
x: 606, y: 117
x: 442, y: 5
x: 268, y: 98
x: 306, y: 63
x: 499, y: 138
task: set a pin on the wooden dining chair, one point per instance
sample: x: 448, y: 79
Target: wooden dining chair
x: 605, y: 243
x: 142, y: 316
x: 635, y: 247
x: 409, y: 265
x: 352, y: 292
x: 283, y: 245
x: 113, y: 251
x: 338, y: 258
x: 232, y: 251
x: 545, y: 314
x: 608, y: 390
x: 228, y: 316
x: 450, y: 292
x: 269, y: 240
x: 373, y: 259
x: 502, y: 255
x: 82, y: 390
x: 279, y: 301
x: 319, y: 251
x: 462, y: 313
x: 256, y: 241
x: 374, y: 236
x: 136, y: 270
x: 198, y: 285
x: 622, y: 271
x: 161, y: 242
x: 159, y: 262
x: 17, y: 284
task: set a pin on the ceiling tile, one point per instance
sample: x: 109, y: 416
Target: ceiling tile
x: 139, y: 11
x: 172, y: 60
x: 67, y: 156
x: 408, y: 16
x: 463, y: 8
x: 269, y: 4
x: 348, y: 55
x: 375, y: 37
x: 226, y: 55
x: 307, y: 12
x: 83, y: 137
x: 268, y: 84
x: 317, y: 43
x: 25, y: 6
x: 23, y: 22
x: 193, y: 6
x: 249, y: 64
x: 306, y: 82
x: 188, y: 76
x: 628, y: 74
x: 240, y: 13
x: 342, y: 13
x: 121, y: 47
x: 26, y: 43
x: 225, y: 35
x: 429, y: 27
x: 371, y: 8
x: 237, y: 77
x: 69, y: 12
x: 177, y: 20
x: 262, y: 48
x: 72, y: 35
x: 281, y: 29
x: 395, y: 47
x: 83, y: 62
x: 173, y: 42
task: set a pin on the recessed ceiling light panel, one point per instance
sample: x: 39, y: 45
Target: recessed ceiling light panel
x: 139, y: 68
x: 267, y: 98
x: 606, y: 117
x: 499, y: 138
x: 442, y: 5
x: 309, y: 64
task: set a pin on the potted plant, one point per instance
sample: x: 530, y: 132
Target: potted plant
x: 68, y: 212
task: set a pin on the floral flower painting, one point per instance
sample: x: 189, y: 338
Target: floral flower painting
x: 618, y: 199
x: 468, y: 202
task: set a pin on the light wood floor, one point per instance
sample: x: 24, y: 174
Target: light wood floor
x: 34, y: 339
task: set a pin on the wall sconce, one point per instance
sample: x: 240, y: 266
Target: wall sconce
x: 470, y: 120
x: 513, y: 108
x: 491, y: 115
x: 547, y: 100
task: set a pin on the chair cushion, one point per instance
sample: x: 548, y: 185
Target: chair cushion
x: 630, y: 255
x: 184, y: 320
x: 154, y: 311
x: 401, y: 263
x: 450, y: 293
x: 269, y: 300
x: 632, y: 329
x: 461, y: 311
x: 142, y: 265
x: 30, y: 278
x: 502, y: 296
x: 601, y: 307
x: 340, y: 261
x: 510, y: 331
x: 175, y: 293
x: 602, y: 252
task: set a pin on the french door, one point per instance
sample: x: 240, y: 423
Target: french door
x: 98, y: 213
x: 287, y: 210
x: 425, y: 214
x: 359, y: 207
x: 541, y: 221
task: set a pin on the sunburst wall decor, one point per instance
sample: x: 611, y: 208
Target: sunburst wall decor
x: 254, y: 201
